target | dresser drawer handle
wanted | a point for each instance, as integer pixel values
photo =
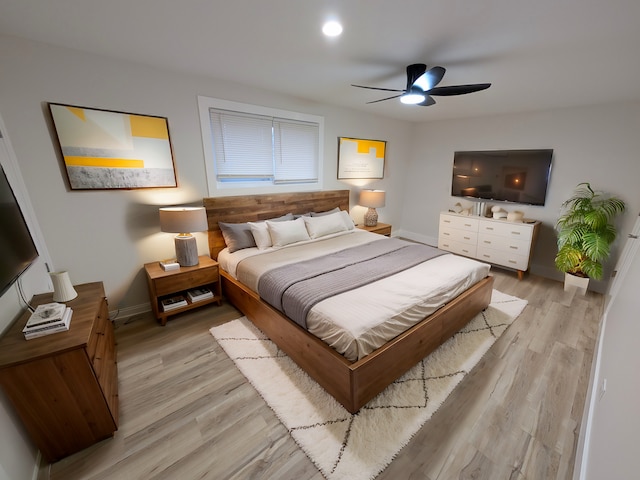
(516, 233)
(512, 247)
(446, 221)
(446, 233)
(467, 238)
(488, 242)
(486, 256)
(465, 251)
(467, 224)
(512, 261)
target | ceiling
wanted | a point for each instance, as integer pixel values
(537, 54)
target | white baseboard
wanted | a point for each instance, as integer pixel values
(122, 314)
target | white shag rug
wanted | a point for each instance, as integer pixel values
(360, 446)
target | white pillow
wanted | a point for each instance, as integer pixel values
(284, 233)
(348, 221)
(260, 232)
(325, 224)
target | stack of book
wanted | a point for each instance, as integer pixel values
(47, 319)
(173, 303)
(199, 294)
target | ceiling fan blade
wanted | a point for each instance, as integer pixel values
(427, 102)
(376, 88)
(430, 78)
(388, 98)
(458, 89)
(414, 72)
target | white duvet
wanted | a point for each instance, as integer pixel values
(359, 321)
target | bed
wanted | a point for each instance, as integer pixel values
(351, 378)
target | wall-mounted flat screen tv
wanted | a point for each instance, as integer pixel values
(16, 244)
(519, 176)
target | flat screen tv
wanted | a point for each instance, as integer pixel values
(519, 176)
(17, 249)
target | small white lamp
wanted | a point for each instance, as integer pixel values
(183, 221)
(372, 199)
(63, 290)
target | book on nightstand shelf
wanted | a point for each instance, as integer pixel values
(173, 303)
(47, 327)
(198, 294)
(169, 264)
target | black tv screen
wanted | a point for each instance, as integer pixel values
(16, 244)
(519, 176)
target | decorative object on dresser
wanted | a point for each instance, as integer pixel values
(372, 199)
(379, 228)
(165, 285)
(63, 290)
(64, 387)
(183, 221)
(499, 242)
(47, 319)
(586, 231)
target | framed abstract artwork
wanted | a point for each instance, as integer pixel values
(103, 149)
(360, 158)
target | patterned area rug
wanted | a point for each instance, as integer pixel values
(360, 446)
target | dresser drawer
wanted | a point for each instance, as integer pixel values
(504, 258)
(461, 236)
(512, 245)
(459, 222)
(460, 248)
(511, 230)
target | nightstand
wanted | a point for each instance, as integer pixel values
(164, 284)
(379, 228)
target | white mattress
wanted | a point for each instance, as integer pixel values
(359, 321)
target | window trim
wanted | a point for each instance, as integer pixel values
(217, 189)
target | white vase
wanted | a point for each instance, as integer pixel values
(580, 284)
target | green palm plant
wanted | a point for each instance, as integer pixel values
(585, 231)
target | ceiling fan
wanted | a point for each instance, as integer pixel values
(421, 85)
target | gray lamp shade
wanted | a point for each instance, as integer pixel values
(372, 198)
(184, 220)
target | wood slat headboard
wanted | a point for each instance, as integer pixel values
(252, 208)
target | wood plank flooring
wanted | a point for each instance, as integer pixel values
(187, 413)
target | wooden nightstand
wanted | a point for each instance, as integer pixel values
(166, 284)
(380, 228)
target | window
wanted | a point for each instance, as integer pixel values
(265, 149)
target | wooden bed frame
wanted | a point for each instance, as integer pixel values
(352, 384)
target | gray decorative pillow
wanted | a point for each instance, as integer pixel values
(237, 236)
(328, 212)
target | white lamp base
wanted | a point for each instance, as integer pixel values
(186, 250)
(371, 218)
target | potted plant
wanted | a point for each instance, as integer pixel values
(585, 233)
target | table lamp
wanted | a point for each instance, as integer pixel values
(183, 221)
(372, 199)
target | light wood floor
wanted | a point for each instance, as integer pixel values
(187, 413)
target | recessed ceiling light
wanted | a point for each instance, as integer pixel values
(332, 29)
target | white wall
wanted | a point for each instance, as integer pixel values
(597, 144)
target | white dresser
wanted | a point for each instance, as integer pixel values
(499, 242)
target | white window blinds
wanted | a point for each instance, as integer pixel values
(259, 148)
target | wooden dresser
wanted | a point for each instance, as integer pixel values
(64, 386)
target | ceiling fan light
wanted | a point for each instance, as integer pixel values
(411, 98)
